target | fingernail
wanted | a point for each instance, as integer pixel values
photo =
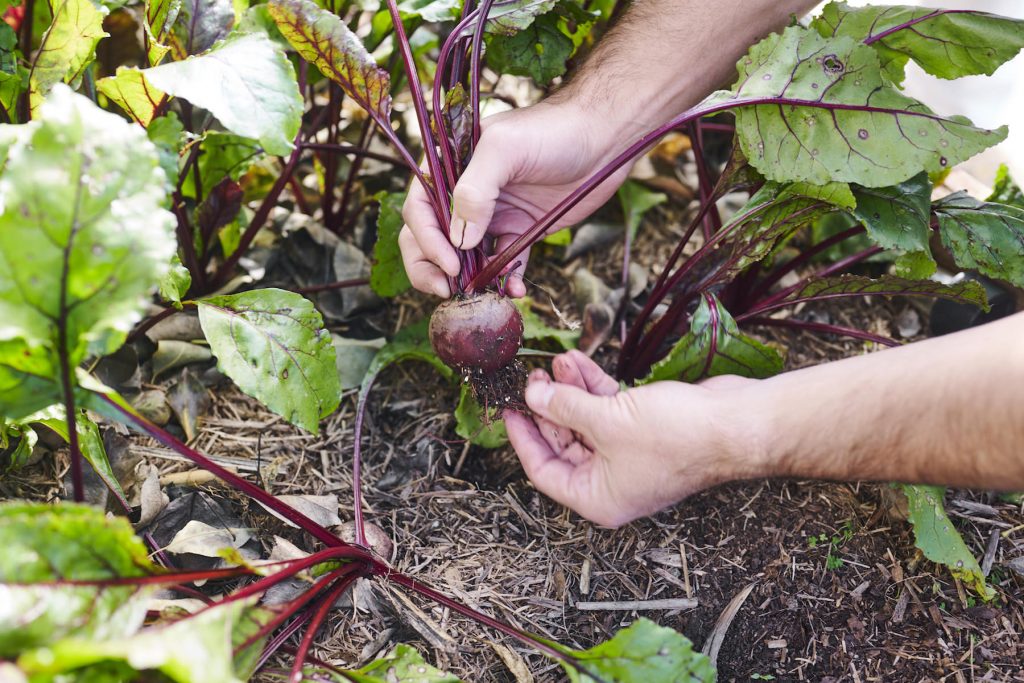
(538, 395)
(457, 231)
(470, 228)
(441, 290)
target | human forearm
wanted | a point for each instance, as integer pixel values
(666, 55)
(942, 411)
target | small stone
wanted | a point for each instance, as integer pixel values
(908, 323)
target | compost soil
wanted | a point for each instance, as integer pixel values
(835, 589)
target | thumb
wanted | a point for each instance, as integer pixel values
(568, 405)
(477, 191)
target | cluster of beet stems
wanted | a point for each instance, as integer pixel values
(459, 61)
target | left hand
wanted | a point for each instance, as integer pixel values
(614, 456)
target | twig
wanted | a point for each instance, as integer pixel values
(630, 605)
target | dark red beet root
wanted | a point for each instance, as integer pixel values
(477, 335)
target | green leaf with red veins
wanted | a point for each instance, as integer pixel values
(642, 653)
(199, 25)
(896, 217)
(770, 217)
(129, 90)
(538, 51)
(322, 39)
(984, 236)
(246, 82)
(939, 540)
(843, 286)
(715, 346)
(458, 120)
(945, 43)
(67, 47)
(45, 546)
(160, 17)
(84, 239)
(817, 109)
(273, 345)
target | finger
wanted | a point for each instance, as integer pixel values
(551, 475)
(477, 190)
(557, 437)
(515, 284)
(576, 368)
(418, 214)
(569, 405)
(423, 273)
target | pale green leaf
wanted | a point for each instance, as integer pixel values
(637, 200)
(273, 345)
(388, 276)
(83, 238)
(160, 18)
(471, 423)
(246, 82)
(983, 236)
(45, 544)
(508, 18)
(939, 540)
(196, 649)
(817, 109)
(945, 43)
(402, 665)
(535, 328)
(642, 653)
(715, 346)
(176, 282)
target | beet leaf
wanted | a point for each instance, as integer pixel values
(945, 43)
(715, 346)
(817, 109)
(86, 246)
(939, 540)
(46, 547)
(984, 236)
(642, 653)
(247, 82)
(273, 345)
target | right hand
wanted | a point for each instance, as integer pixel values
(526, 162)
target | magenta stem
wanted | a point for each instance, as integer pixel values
(250, 489)
(822, 327)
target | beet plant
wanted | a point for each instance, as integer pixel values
(98, 212)
(822, 129)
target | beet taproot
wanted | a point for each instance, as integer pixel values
(479, 334)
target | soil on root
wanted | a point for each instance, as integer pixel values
(500, 389)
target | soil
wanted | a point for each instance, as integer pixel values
(837, 591)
